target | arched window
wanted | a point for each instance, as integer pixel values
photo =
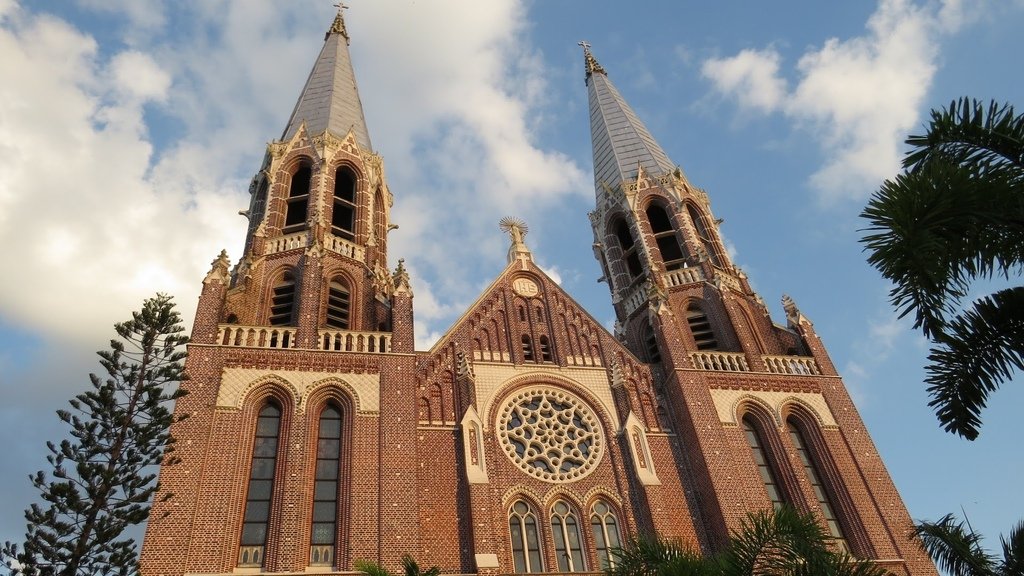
(282, 301)
(343, 216)
(565, 530)
(522, 527)
(339, 302)
(605, 528)
(324, 523)
(651, 344)
(819, 489)
(703, 234)
(380, 224)
(545, 349)
(298, 200)
(540, 314)
(628, 248)
(259, 496)
(763, 467)
(665, 236)
(527, 348)
(700, 327)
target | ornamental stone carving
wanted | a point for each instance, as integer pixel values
(550, 434)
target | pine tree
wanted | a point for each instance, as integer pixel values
(103, 477)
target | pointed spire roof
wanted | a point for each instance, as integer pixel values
(621, 142)
(330, 100)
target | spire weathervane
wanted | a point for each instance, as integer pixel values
(590, 62)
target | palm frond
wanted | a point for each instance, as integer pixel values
(370, 568)
(1013, 552)
(649, 556)
(981, 350)
(955, 550)
(969, 133)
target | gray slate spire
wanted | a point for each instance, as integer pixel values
(330, 99)
(621, 141)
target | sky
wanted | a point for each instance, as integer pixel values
(129, 132)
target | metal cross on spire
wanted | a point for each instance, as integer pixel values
(338, 27)
(590, 63)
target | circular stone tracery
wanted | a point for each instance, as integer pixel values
(550, 434)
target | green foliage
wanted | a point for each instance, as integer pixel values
(409, 568)
(101, 479)
(957, 550)
(953, 218)
(779, 543)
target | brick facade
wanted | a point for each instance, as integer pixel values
(426, 463)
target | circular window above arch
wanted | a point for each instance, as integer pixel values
(550, 434)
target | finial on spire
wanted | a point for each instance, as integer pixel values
(338, 26)
(516, 229)
(590, 63)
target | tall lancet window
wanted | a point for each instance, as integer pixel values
(819, 489)
(606, 532)
(282, 301)
(324, 529)
(629, 253)
(565, 531)
(259, 496)
(764, 468)
(525, 535)
(703, 234)
(343, 216)
(665, 236)
(298, 200)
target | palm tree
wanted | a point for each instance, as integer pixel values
(409, 568)
(958, 551)
(779, 543)
(954, 217)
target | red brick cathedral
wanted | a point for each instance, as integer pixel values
(528, 438)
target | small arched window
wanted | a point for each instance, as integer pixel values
(527, 348)
(545, 349)
(665, 237)
(339, 303)
(700, 328)
(343, 216)
(298, 200)
(651, 344)
(629, 253)
(522, 314)
(324, 523)
(259, 495)
(605, 528)
(522, 527)
(811, 471)
(282, 301)
(565, 531)
(763, 466)
(703, 234)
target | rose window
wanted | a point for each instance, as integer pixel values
(550, 434)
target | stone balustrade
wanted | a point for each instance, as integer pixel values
(801, 365)
(339, 245)
(720, 361)
(257, 336)
(286, 242)
(351, 341)
(682, 276)
(636, 299)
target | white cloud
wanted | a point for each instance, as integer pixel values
(752, 76)
(858, 96)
